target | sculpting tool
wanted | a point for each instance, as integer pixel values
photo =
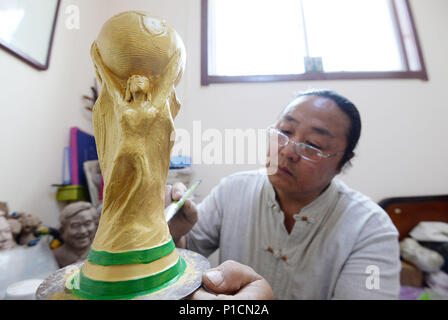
(175, 206)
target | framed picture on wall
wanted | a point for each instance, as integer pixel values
(27, 28)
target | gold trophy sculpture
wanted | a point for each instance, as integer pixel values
(139, 60)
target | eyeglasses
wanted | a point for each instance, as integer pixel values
(302, 149)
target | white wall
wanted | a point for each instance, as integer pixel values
(37, 108)
(402, 151)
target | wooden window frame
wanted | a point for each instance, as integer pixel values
(207, 79)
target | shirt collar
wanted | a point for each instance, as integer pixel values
(314, 210)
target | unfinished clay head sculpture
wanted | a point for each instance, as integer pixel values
(78, 226)
(16, 227)
(6, 239)
(139, 60)
(29, 223)
(3, 209)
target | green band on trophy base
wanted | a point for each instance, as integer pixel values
(105, 258)
(104, 290)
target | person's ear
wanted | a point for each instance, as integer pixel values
(61, 231)
(341, 166)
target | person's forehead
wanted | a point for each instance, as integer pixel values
(317, 111)
(81, 216)
(316, 104)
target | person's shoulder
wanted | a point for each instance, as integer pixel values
(241, 183)
(361, 207)
(355, 199)
(249, 176)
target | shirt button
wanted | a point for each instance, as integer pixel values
(284, 258)
(270, 250)
(304, 219)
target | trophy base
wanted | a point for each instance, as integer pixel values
(53, 287)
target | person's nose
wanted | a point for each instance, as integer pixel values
(289, 152)
(83, 230)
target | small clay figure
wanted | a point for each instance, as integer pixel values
(16, 226)
(78, 226)
(29, 224)
(6, 240)
(3, 209)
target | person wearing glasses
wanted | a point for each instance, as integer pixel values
(294, 230)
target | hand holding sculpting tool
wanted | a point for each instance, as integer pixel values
(175, 206)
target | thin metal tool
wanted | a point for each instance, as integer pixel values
(174, 207)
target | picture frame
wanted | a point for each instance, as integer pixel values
(27, 30)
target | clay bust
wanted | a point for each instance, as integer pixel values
(29, 223)
(6, 239)
(3, 209)
(78, 226)
(16, 227)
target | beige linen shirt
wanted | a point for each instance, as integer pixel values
(342, 246)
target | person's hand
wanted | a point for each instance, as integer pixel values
(187, 216)
(233, 281)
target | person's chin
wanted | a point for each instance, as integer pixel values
(83, 242)
(280, 179)
(280, 172)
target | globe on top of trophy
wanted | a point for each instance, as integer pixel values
(137, 43)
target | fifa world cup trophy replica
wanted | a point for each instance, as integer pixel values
(139, 59)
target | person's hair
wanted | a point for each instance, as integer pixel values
(73, 209)
(349, 108)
